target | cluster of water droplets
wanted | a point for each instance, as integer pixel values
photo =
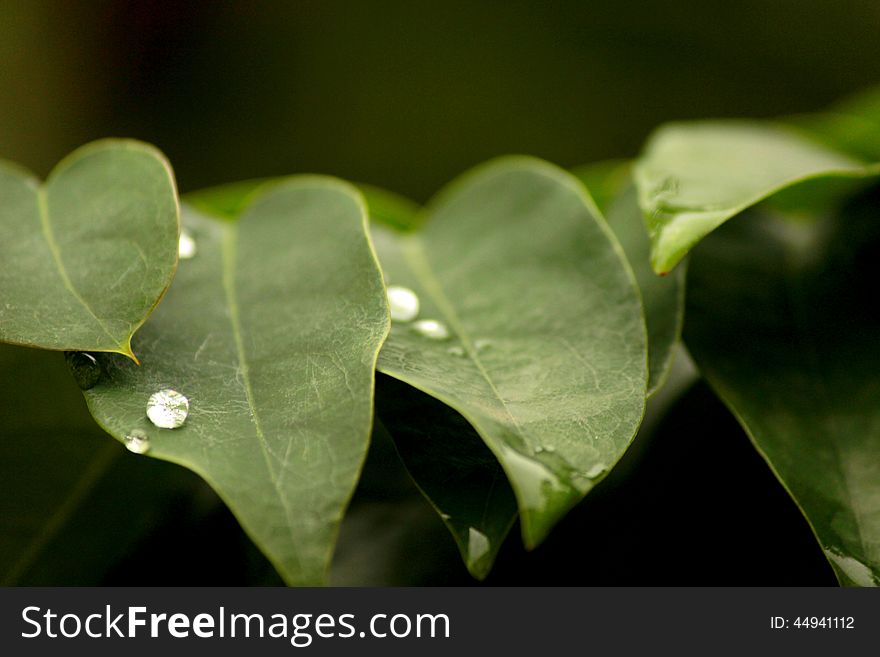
(166, 409)
(404, 306)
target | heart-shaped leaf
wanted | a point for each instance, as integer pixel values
(530, 326)
(693, 177)
(780, 320)
(271, 331)
(87, 255)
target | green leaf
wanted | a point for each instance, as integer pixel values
(662, 297)
(74, 502)
(692, 177)
(546, 357)
(87, 255)
(271, 331)
(781, 321)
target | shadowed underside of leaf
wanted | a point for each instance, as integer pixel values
(693, 177)
(272, 332)
(780, 320)
(453, 468)
(87, 255)
(546, 356)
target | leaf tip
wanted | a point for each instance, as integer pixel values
(126, 351)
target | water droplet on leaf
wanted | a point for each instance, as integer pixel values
(455, 351)
(85, 368)
(186, 247)
(403, 303)
(137, 441)
(482, 345)
(167, 409)
(431, 328)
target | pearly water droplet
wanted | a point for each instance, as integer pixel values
(137, 441)
(403, 303)
(431, 328)
(455, 351)
(167, 409)
(186, 247)
(482, 345)
(85, 368)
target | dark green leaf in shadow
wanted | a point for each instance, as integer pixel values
(87, 255)
(75, 503)
(692, 177)
(530, 327)
(454, 469)
(271, 331)
(780, 320)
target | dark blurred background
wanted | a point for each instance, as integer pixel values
(406, 95)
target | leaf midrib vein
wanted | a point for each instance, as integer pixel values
(230, 236)
(414, 254)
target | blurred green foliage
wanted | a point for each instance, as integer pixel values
(405, 94)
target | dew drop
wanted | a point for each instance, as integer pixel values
(403, 303)
(186, 247)
(137, 441)
(85, 368)
(431, 328)
(167, 409)
(455, 351)
(482, 345)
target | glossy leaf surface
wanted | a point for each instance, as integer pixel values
(546, 353)
(88, 254)
(271, 331)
